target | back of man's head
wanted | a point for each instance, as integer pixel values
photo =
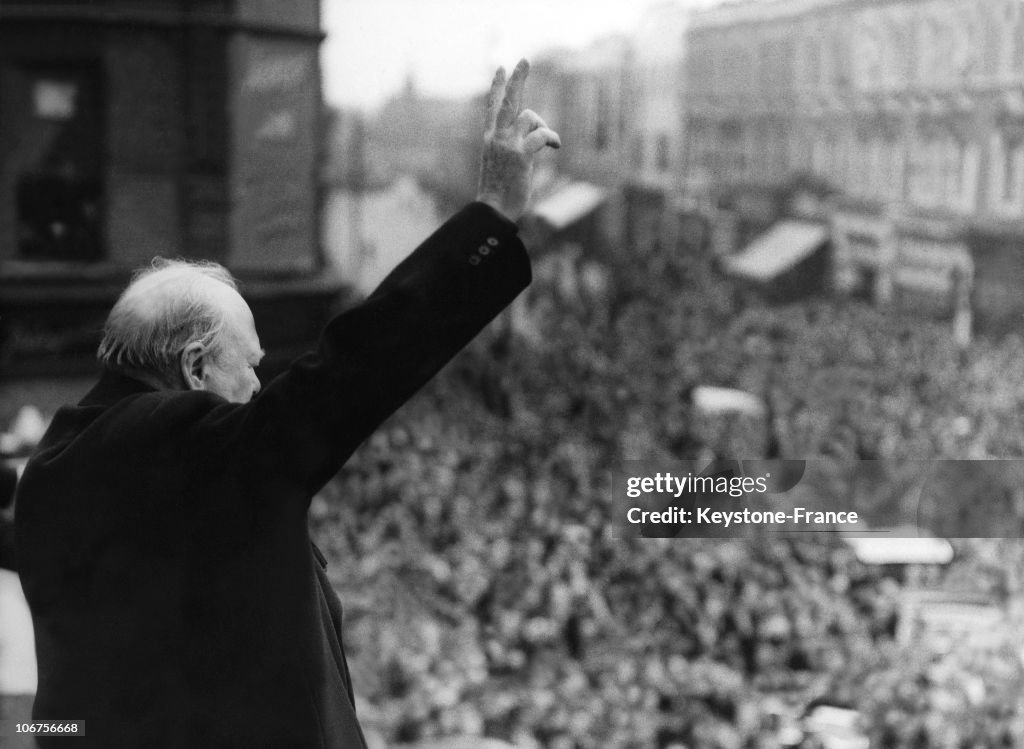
(167, 306)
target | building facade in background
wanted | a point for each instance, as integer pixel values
(135, 128)
(585, 96)
(899, 125)
(912, 111)
(436, 140)
(595, 97)
(655, 128)
(916, 101)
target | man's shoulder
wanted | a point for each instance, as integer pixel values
(158, 407)
(128, 416)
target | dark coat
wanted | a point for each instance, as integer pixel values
(8, 482)
(162, 535)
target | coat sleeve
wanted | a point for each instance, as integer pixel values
(373, 357)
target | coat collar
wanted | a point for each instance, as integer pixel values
(112, 387)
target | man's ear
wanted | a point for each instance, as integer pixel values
(193, 366)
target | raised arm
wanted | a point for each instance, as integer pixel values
(372, 358)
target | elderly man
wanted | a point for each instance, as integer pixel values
(177, 598)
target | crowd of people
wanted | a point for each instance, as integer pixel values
(487, 593)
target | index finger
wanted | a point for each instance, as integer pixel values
(494, 98)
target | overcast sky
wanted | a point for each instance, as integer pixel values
(452, 46)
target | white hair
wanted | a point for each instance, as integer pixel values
(167, 306)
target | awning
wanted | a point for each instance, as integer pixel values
(836, 727)
(901, 546)
(716, 400)
(777, 250)
(569, 204)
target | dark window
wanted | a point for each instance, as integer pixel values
(662, 153)
(53, 163)
(604, 114)
(207, 93)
